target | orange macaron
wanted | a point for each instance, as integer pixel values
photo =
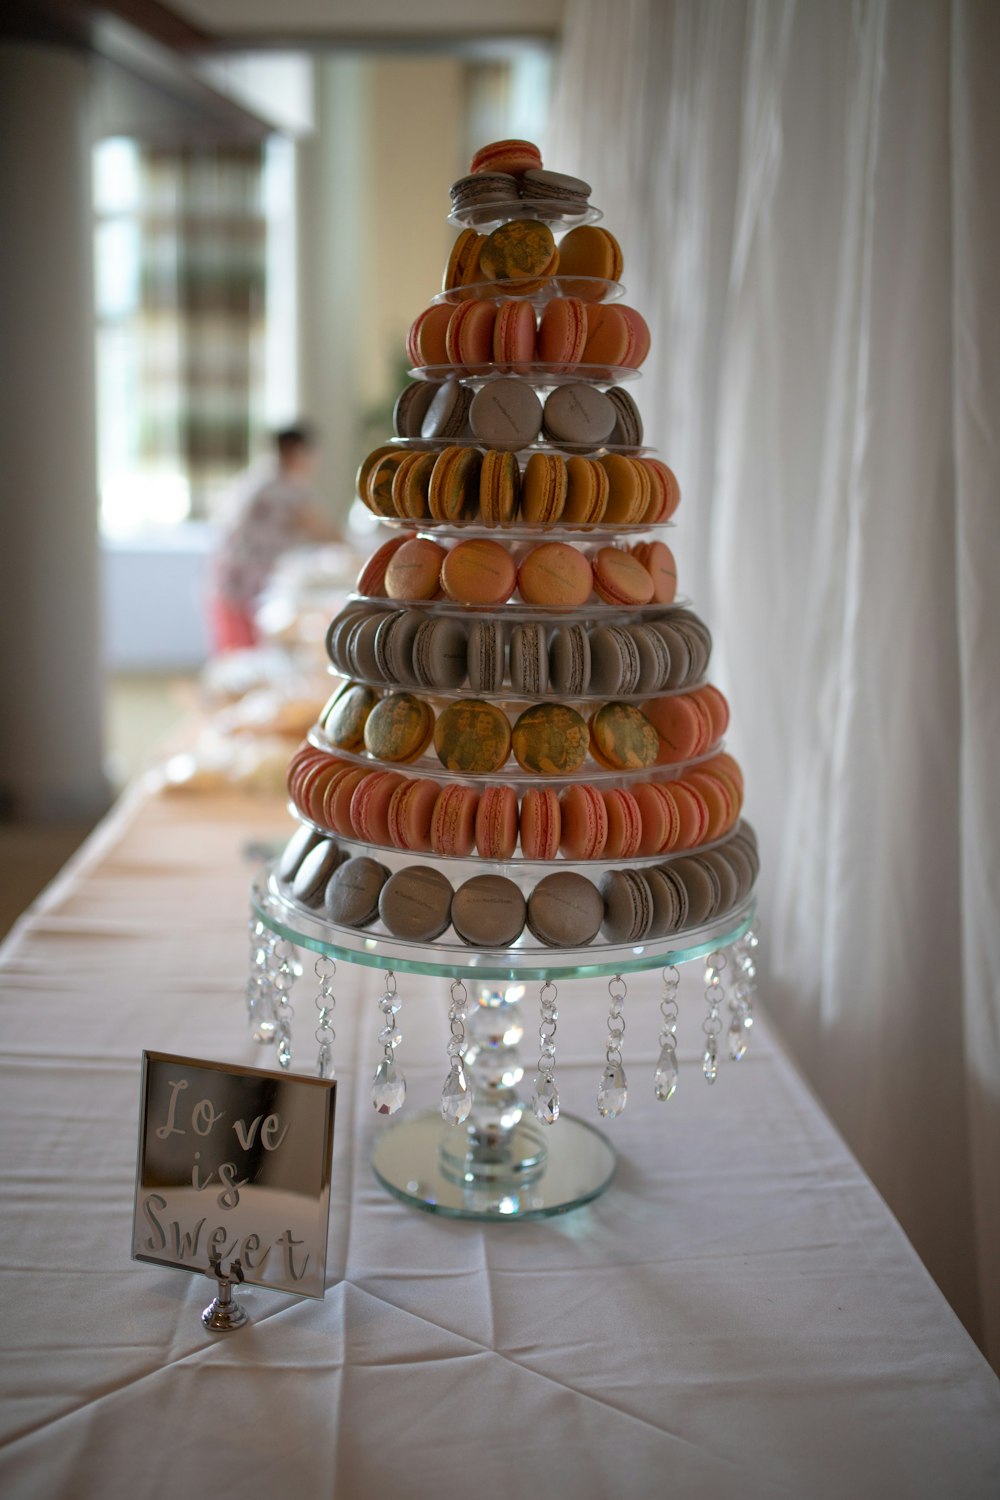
(555, 574)
(478, 571)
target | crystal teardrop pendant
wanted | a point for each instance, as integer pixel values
(665, 1077)
(388, 1088)
(612, 1091)
(737, 1038)
(708, 1062)
(456, 1097)
(545, 1099)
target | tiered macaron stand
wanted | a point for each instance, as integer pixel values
(490, 1152)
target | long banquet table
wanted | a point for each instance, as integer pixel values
(739, 1315)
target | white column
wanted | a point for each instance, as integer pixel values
(51, 744)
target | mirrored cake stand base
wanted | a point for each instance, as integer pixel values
(491, 1152)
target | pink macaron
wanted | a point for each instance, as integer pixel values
(496, 822)
(624, 824)
(540, 823)
(469, 338)
(370, 806)
(562, 334)
(514, 337)
(411, 808)
(453, 823)
(584, 829)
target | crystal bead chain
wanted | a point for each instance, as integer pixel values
(259, 994)
(665, 1077)
(743, 995)
(284, 978)
(712, 1024)
(326, 971)
(389, 1084)
(612, 1091)
(545, 1098)
(456, 1095)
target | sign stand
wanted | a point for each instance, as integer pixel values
(224, 1313)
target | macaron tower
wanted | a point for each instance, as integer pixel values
(521, 769)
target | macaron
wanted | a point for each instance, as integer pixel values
(486, 656)
(411, 407)
(298, 846)
(496, 822)
(462, 268)
(627, 431)
(550, 740)
(692, 813)
(562, 334)
(615, 663)
(351, 895)
(499, 488)
(519, 250)
(506, 414)
(628, 489)
(628, 906)
(529, 659)
(677, 725)
(469, 337)
(514, 337)
(349, 713)
(669, 902)
(608, 337)
(410, 484)
(590, 251)
(371, 579)
(394, 641)
(399, 729)
(369, 811)
(439, 653)
(678, 652)
(453, 823)
(472, 737)
(539, 186)
(699, 887)
(514, 157)
(565, 910)
(540, 823)
(411, 808)
(337, 799)
(378, 496)
(717, 706)
(698, 637)
(556, 575)
(317, 795)
(665, 492)
(543, 490)
(660, 819)
(658, 560)
(619, 578)
(309, 880)
(639, 340)
(425, 342)
(578, 416)
(414, 570)
(488, 912)
(624, 824)
(718, 800)
(654, 659)
(339, 630)
(360, 648)
(569, 660)
(725, 874)
(365, 468)
(482, 190)
(415, 903)
(622, 738)
(453, 491)
(586, 491)
(478, 571)
(583, 822)
(447, 415)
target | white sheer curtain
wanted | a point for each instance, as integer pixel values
(807, 198)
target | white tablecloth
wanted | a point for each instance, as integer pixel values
(738, 1316)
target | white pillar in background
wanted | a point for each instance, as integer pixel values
(51, 681)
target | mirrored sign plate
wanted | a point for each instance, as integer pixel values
(234, 1163)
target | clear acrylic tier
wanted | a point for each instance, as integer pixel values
(584, 288)
(489, 216)
(540, 377)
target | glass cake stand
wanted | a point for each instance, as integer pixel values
(489, 1153)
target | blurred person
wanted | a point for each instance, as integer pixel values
(274, 509)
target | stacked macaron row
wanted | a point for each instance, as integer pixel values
(417, 903)
(484, 338)
(415, 648)
(574, 418)
(461, 484)
(507, 175)
(587, 265)
(481, 573)
(384, 807)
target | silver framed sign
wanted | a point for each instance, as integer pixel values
(234, 1166)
